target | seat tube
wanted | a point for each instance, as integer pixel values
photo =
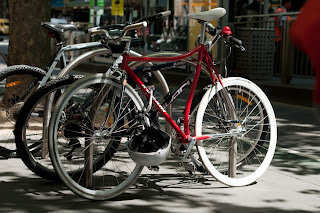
(195, 81)
(202, 32)
(192, 90)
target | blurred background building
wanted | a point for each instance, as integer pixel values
(252, 21)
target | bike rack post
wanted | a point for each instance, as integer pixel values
(232, 169)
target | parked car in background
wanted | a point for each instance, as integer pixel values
(4, 26)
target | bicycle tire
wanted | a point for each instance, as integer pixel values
(12, 103)
(114, 160)
(255, 143)
(29, 128)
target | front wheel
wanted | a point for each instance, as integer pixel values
(241, 119)
(97, 116)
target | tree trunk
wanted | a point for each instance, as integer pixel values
(29, 42)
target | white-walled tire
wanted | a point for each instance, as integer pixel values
(251, 115)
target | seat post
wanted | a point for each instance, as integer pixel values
(203, 32)
(57, 37)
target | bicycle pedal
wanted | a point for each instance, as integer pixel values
(154, 168)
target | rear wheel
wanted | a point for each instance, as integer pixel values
(17, 83)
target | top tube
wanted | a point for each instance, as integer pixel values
(168, 59)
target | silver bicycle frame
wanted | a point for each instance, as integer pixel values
(61, 54)
(71, 66)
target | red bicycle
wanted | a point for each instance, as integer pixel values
(231, 123)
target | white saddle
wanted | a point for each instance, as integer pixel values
(209, 15)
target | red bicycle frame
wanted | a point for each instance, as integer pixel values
(202, 52)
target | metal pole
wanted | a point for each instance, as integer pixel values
(95, 12)
(222, 22)
(144, 29)
(266, 7)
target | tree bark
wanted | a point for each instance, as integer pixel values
(29, 42)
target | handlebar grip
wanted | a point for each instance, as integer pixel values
(89, 30)
(154, 18)
(135, 26)
(165, 13)
(235, 41)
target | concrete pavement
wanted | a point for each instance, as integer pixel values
(276, 191)
(291, 184)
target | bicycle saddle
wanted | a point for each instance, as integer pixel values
(209, 15)
(59, 28)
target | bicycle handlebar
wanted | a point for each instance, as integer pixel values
(113, 27)
(122, 26)
(132, 27)
(231, 41)
(98, 31)
(166, 13)
(235, 41)
(143, 22)
(155, 17)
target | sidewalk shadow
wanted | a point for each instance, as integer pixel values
(299, 132)
(151, 193)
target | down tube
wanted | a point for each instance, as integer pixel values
(156, 103)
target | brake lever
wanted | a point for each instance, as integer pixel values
(242, 48)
